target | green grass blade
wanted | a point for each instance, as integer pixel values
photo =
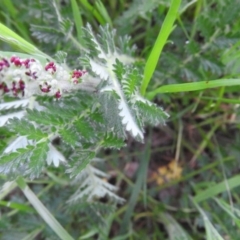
(211, 232)
(141, 176)
(217, 188)
(10, 7)
(89, 234)
(11, 14)
(194, 86)
(174, 229)
(222, 100)
(78, 21)
(163, 35)
(102, 10)
(7, 35)
(7, 188)
(232, 212)
(43, 211)
(34, 234)
(18, 206)
(93, 11)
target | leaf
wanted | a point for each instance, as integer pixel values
(111, 141)
(151, 113)
(54, 156)
(25, 128)
(79, 162)
(129, 121)
(66, 26)
(5, 118)
(131, 82)
(110, 112)
(137, 7)
(86, 131)
(19, 142)
(60, 57)
(38, 159)
(93, 186)
(70, 136)
(44, 117)
(46, 34)
(15, 162)
(119, 69)
(14, 104)
(205, 26)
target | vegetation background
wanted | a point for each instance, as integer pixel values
(183, 182)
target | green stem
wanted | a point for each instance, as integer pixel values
(43, 211)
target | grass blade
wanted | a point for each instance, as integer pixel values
(7, 188)
(93, 11)
(141, 176)
(102, 10)
(211, 232)
(163, 35)
(193, 86)
(217, 188)
(42, 211)
(7, 35)
(78, 21)
(18, 206)
(33, 235)
(174, 230)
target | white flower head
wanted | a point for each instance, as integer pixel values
(26, 77)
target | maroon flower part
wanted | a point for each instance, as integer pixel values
(16, 61)
(4, 87)
(4, 63)
(45, 88)
(27, 62)
(51, 66)
(77, 74)
(31, 74)
(58, 94)
(21, 85)
(14, 89)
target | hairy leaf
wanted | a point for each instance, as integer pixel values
(25, 128)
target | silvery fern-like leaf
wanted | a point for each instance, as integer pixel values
(19, 142)
(4, 119)
(93, 185)
(54, 156)
(139, 8)
(15, 104)
(128, 120)
(102, 57)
